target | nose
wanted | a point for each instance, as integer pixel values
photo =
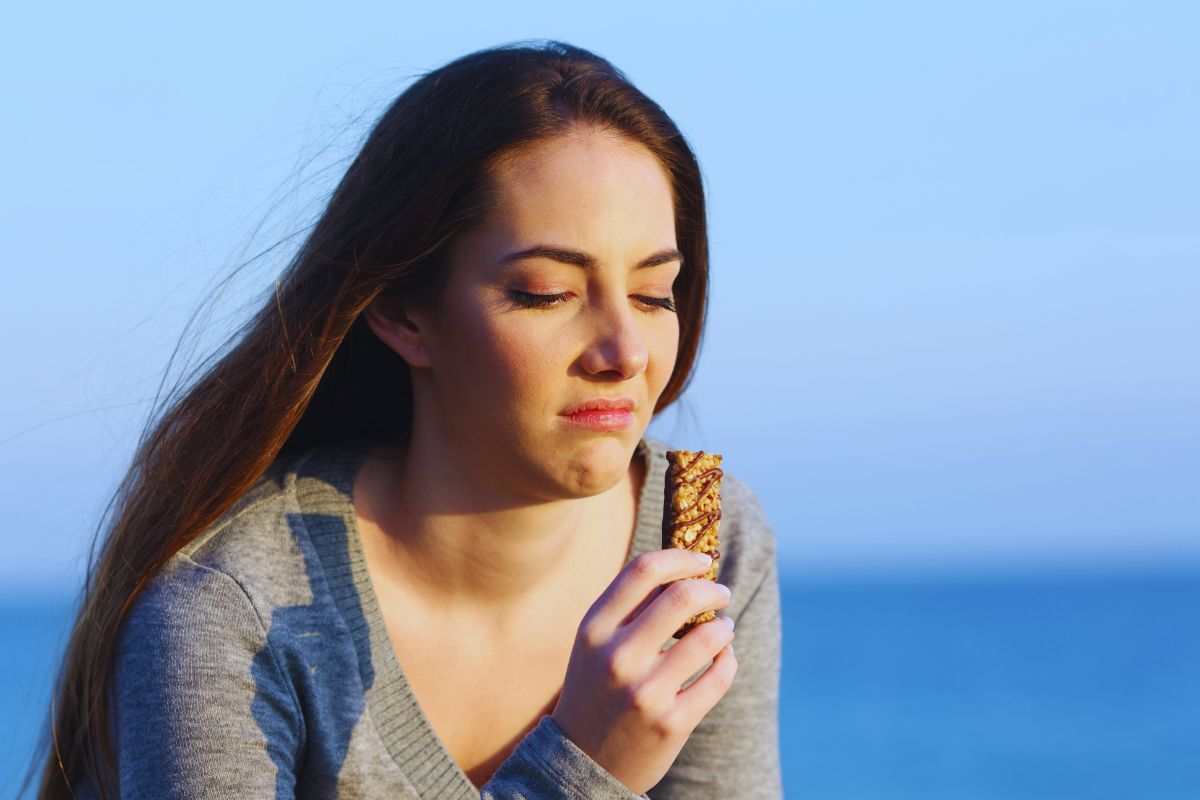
(618, 344)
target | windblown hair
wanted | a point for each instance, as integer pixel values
(304, 370)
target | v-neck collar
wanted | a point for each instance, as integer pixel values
(324, 480)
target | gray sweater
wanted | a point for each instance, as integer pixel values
(256, 664)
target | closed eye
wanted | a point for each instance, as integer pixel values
(660, 302)
(531, 300)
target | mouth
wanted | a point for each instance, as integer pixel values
(601, 420)
(601, 414)
(599, 405)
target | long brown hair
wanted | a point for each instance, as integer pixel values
(305, 370)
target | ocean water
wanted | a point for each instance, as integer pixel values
(1018, 686)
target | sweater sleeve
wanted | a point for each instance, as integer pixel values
(202, 708)
(734, 751)
(548, 766)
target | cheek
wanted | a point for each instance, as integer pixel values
(477, 356)
(664, 350)
(516, 356)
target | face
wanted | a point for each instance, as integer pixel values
(516, 341)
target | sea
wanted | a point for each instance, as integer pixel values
(1047, 685)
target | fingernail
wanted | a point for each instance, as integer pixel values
(705, 559)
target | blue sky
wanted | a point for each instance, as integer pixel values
(956, 268)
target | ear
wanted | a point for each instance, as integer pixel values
(400, 330)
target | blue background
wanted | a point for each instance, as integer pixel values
(952, 343)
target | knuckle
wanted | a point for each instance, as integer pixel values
(666, 727)
(645, 702)
(643, 567)
(617, 667)
(715, 633)
(682, 595)
(590, 634)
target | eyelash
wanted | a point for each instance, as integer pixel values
(530, 300)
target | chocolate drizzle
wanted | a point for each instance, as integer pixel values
(708, 479)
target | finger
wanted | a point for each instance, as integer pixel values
(646, 601)
(675, 605)
(695, 651)
(632, 587)
(694, 702)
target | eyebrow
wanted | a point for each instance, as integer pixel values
(584, 260)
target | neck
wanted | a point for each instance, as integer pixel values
(465, 549)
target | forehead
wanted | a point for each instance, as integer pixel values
(593, 189)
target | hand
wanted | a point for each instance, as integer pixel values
(620, 702)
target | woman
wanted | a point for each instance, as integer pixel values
(372, 551)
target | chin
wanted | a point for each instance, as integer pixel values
(598, 465)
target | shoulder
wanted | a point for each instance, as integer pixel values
(186, 606)
(259, 549)
(747, 538)
(195, 662)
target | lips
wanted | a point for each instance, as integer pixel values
(600, 404)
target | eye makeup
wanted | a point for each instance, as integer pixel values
(531, 300)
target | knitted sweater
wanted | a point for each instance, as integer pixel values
(257, 664)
